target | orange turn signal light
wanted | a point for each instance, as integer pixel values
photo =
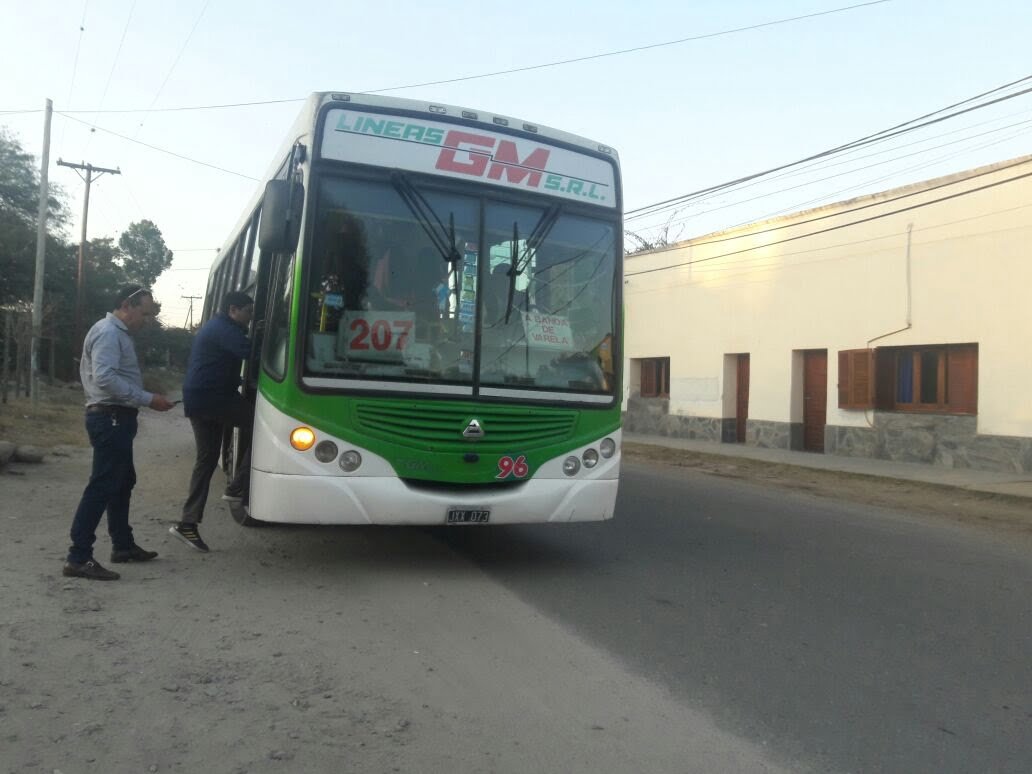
(302, 438)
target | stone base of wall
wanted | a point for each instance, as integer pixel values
(768, 435)
(934, 439)
(651, 416)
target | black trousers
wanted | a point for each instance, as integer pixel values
(208, 433)
(111, 484)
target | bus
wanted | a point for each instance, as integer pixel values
(438, 318)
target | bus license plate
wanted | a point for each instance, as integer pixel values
(468, 516)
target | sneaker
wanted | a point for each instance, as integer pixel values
(232, 497)
(188, 534)
(88, 569)
(133, 554)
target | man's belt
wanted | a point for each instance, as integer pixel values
(111, 408)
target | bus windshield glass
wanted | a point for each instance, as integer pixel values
(391, 301)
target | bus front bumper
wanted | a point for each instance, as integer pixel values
(375, 500)
(304, 499)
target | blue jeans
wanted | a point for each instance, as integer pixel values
(110, 486)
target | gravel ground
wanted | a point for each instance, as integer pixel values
(300, 649)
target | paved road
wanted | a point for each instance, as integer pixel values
(840, 637)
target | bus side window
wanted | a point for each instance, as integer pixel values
(277, 330)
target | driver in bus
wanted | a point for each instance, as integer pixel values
(346, 265)
(408, 285)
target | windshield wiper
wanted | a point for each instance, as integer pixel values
(442, 239)
(537, 236)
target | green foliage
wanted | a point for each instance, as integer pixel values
(144, 254)
(19, 199)
(19, 185)
(139, 256)
(161, 346)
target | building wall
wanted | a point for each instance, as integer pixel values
(957, 270)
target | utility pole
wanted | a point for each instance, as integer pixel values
(189, 314)
(80, 282)
(41, 248)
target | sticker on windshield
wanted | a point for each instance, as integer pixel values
(548, 331)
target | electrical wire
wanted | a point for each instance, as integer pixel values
(824, 164)
(156, 148)
(510, 71)
(175, 63)
(884, 134)
(75, 66)
(864, 184)
(859, 208)
(824, 230)
(749, 266)
(114, 64)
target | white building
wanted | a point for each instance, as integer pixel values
(895, 325)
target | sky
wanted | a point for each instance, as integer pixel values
(723, 103)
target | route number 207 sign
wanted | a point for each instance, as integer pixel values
(377, 335)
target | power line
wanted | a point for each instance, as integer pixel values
(880, 136)
(827, 164)
(114, 63)
(858, 208)
(738, 270)
(823, 230)
(630, 50)
(160, 150)
(527, 68)
(75, 65)
(175, 63)
(863, 184)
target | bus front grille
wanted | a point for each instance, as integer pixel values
(440, 427)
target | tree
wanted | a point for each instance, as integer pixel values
(19, 201)
(144, 254)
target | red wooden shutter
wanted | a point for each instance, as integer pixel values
(856, 379)
(648, 378)
(962, 379)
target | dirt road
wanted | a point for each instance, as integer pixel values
(288, 650)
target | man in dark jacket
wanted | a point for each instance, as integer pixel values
(212, 400)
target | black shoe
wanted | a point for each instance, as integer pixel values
(88, 569)
(133, 554)
(188, 534)
(231, 496)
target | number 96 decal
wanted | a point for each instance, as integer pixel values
(516, 467)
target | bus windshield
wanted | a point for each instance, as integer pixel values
(524, 301)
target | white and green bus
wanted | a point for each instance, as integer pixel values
(437, 328)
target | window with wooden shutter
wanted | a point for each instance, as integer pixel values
(856, 379)
(940, 379)
(962, 378)
(655, 377)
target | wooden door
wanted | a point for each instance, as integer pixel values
(742, 398)
(815, 398)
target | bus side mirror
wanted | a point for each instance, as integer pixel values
(281, 216)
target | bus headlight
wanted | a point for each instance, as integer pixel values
(302, 438)
(607, 447)
(571, 465)
(326, 451)
(350, 461)
(590, 458)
